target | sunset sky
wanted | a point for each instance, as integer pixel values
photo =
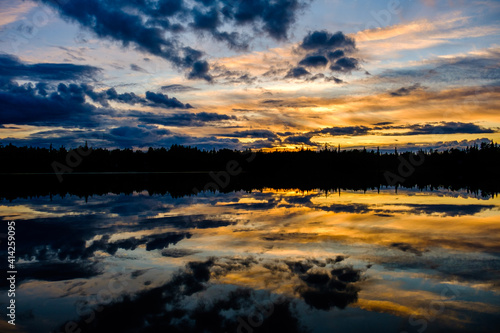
(250, 74)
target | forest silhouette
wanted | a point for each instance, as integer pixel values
(180, 170)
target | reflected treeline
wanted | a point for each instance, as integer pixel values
(180, 185)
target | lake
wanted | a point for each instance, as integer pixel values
(266, 260)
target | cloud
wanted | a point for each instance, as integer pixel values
(12, 67)
(442, 128)
(58, 270)
(163, 100)
(325, 78)
(187, 222)
(66, 104)
(345, 65)
(481, 66)
(152, 242)
(129, 132)
(297, 72)
(406, 247)
(226, 76)
(383, 123)
(181, 304)
(327, 48)
(186, 301)
(448, 210)
(207, 20)
(276, 17)
(152, 99)
(177, 88)
(286, 103)
(110, 20)
(181, 119)
(347, 130)
(28, 104)
(155, 26)
(405, 91)
(266, 134)
(335, 54)
(200, 71)
(314, 61)
(178, 253)
(300, 139)
(325, 289)
(137, 68)
(323, 40)
(305, 138)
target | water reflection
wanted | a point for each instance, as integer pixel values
(269, 260)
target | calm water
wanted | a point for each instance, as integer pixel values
(266, 261)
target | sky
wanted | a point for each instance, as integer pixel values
(281, 74)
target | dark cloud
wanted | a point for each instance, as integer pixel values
(328, 48)
(406, 247)
(187, 222)
(444, 128)
(326, 289)
(112, 95)
(57, 270)
(165, 101)
(335, 54)
(106, 20)
(178, 253)
(11, 68)
(152, 99)
(405, 91)
(234, 40)
(314, 61)
(323, 40)
(186, 302)
(467, 68)
(345, 65)
(28, 104)
(297, 72)
(326, 78)
(146, 24)
(276, 17)
(168, 7)
(448, 210)
(273, 72)
(300, 139)
(205, 20)
(347, 130)
(181, 119)
(200, 71)
(152, 242)
(334, 79)
(347, 208)
(66, 105)
(129, 132)
(305, 138)
(253, 134)
(285, 103)
(111, 20)
(177, 88)
(316, 77)
(226, 76)
(137, 68)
